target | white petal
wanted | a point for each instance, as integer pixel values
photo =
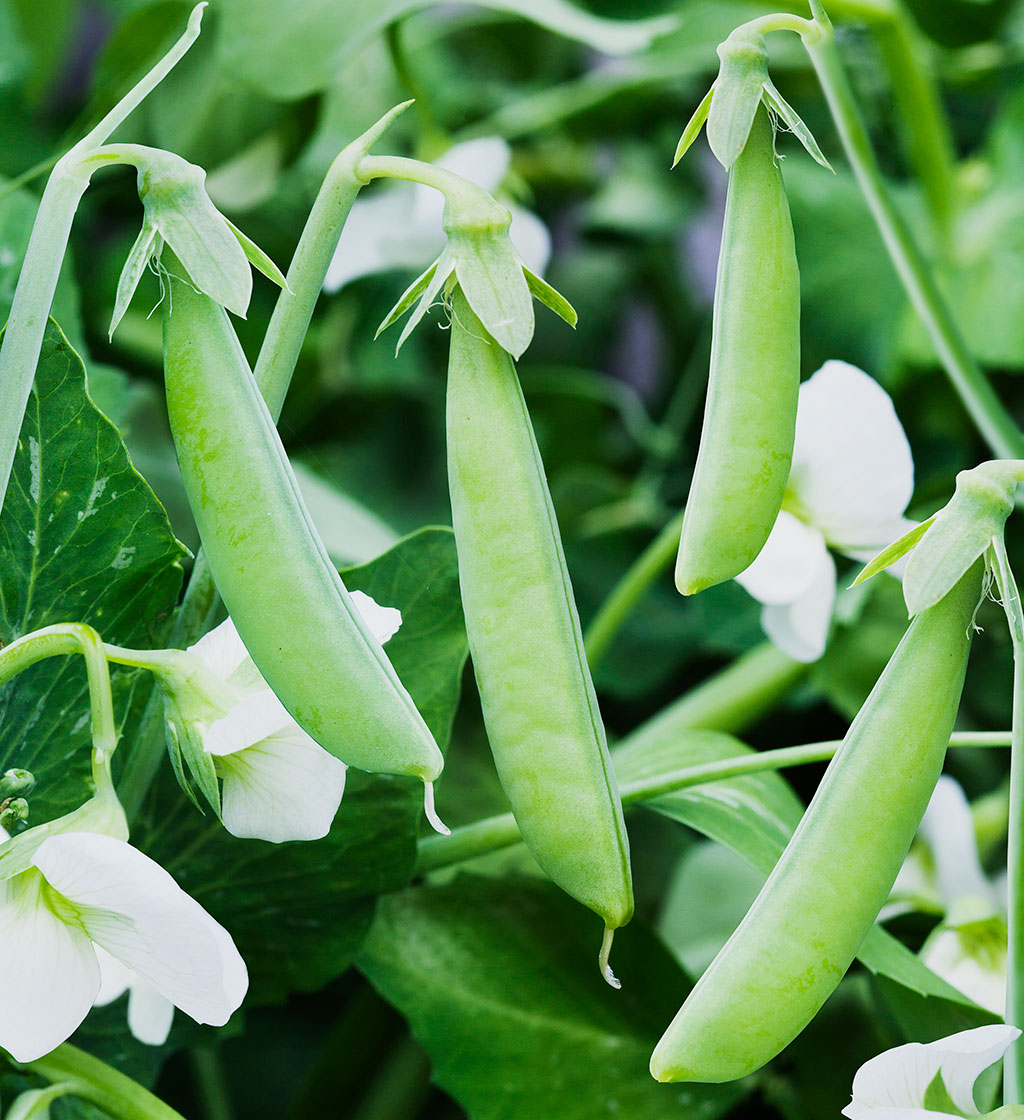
(48, 971)
(384, 232)
(149, 1014)
(115, 978)
(787, 565)
(948, 953)
(221, 650)
(284, 788)
(132, 908)
(383, 622)
(898, 1078)
(800, 628)
(852, 468)
(531, 238)
(948, 829)
(260, 715)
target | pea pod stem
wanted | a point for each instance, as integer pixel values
(990, 417)
(500, 831)
(102, 1085)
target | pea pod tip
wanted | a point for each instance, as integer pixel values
(606, 969)
(430, 812)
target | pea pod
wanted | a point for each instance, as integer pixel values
(807, 924)
(271, 569)
(750, 417)
(524, 633)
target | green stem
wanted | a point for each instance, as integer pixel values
(209, 1076)
(102, 1085)
(986, 410)
(630, 590)
(501, 831)
(66, 638)
(1013, 1060)
(413, 171)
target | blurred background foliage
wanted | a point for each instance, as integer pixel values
(264, 102)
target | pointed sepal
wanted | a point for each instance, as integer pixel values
(786, 113)
(693, 127)
(550, 297)
(738, 91)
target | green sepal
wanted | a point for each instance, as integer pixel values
(739, 88)
(693, 127)
(895, 551)
(960, 532)
(407, 299)
(192, 766)
(550, 297)
(490, 273)
(779, 105)
(257, 258)
(147, 246)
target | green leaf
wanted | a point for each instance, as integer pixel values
(694, 125)
(84, 539)
(499, 982)
(292, 48)
(298, 912)
(895, 551)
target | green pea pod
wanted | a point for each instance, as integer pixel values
(524, 633)
(271, 569)
(805, 927)
(750, 418)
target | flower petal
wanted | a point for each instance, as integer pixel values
(852, 472)
(800, 628)
(787, 565)
(221, 650)
(530, 237)
(257, 717)
(115, 977)
(898, 1078)
(283, 788)
(149, 1014)
(132, 908)
(948, 829)
(971, 957)
(48, 971)
(382, 622)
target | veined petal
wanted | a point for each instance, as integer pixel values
(150, 1014)
(786, 567)
(899, 1078)
(283, 788)
(383, 622)
(800, 628)
(132, 908)
(852, 468)
(48, 971)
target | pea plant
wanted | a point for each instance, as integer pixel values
(359, 754)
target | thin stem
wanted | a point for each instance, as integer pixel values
(66, 638)
(501, 831)
(102, 1085)
(1013, 1060)
(986, 410)
(624, 597)
(413, 171)
(779, 21)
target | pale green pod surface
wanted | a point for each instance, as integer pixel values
(746, 444)
(282, 591)
(524, 633)
(805, 927)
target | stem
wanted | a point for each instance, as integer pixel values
(501, 831)
(779, 21)
(413, 171)
(992, 420)
(1013, 1060)
(624, 597)
(102, 1085)
(65, 638)
(209, 1076)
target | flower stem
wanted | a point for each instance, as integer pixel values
(986, 410)
(1013, 1060)
(630, 590)
(102, 1085)
(501, 831)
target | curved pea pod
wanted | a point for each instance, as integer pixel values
(746, 444)
(524, 633)
(805, 927)
(271, 569)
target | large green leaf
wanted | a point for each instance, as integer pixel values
(500, 984)
(82, 539)
(292, 48)
(299, 911)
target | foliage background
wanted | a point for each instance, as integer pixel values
(493, 972)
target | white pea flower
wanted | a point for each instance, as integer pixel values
(75, 894)
(225, 723)
(851, 480)
(149, 1013)
(400, 226)
(921, 1081)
